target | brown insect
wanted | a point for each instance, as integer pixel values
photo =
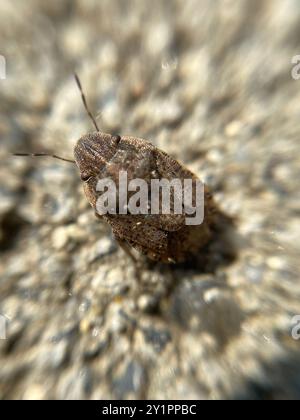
(162, 237)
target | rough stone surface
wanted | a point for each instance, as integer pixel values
(208, 82)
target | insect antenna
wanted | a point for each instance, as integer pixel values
(44, 154)
(84, 102)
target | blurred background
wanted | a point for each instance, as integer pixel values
(213, 84)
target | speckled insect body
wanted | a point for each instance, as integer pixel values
(162, 237)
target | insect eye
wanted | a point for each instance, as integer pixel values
(85, 176)
(117, 138)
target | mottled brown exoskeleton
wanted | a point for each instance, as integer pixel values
(162, 237)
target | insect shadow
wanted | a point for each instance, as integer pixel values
(220, 251)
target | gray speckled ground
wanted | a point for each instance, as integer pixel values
(208, 82)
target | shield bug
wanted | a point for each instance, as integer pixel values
(161, 237)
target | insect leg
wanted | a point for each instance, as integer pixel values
(126, 249)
